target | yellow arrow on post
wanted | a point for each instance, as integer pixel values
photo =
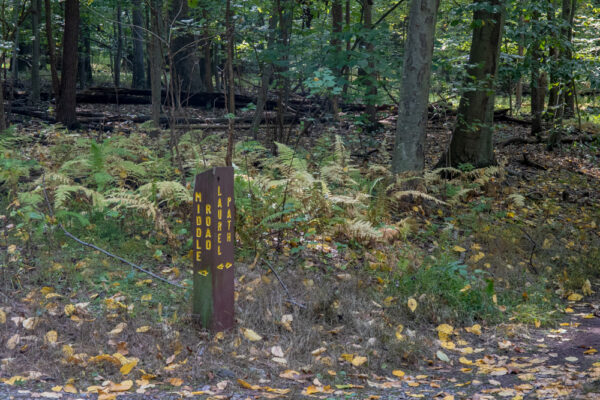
(203, 272)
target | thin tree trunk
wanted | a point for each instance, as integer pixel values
(267, 75)
(538, 94)
(207, 57)
(51, 51)
(409, 149)
(36, 11)
(371, 74)
(568, 14)
(336, 43)
(346, 69)
(14, 64)
(519, 85)
(230, 81)
(472, 137)
(119, 49)
(3, 125)
(138, 80)
(65, 109)
(156, 60)
(554, 84)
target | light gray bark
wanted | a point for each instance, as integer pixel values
(409, 149)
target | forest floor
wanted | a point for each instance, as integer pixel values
(492, 295)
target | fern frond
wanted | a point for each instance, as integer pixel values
(64, 193)
(417, 194)
(53, 179)
(168, 192)
(288, 161)
(361, 230)
(460, 195)
(517, 199)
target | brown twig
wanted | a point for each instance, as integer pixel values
(93, 246)
(290, 298)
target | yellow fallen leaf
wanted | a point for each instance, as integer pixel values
(143, 329)
(412, 304)
(590, 351)
(526, 377)
(413, 384)
(251, 335)
(118, 329)
(14, 379)
(247, 385)
(569, 310)
(70, 389)
(475, 329)
(2, 316)
(459, 249)
(398, 373)
(388, 301)
(444, 332)
(358, 361)
(176, 381)
(67, 350)
(448, 345)
(13, 341)
(467, 287)
(56, 388)
(121, 387)
(51, 337)
(105, 357)
(465, 360)
(69, 309)
(574, 297)
(146, 297)
(126, 368)
(399, 330)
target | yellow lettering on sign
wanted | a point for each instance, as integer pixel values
(228, 213)
(198, 220)
(203, 272)
(198, 245)
(208, 209)
(218, 249)
(208, 245)
(198, 197)
(198, 254)
(208, 233)
(198, 208)
(219, 226)
(228, 224)
(219, 190)
(228, 201)
(220, 214)
(228, 265)
(208, 221)
(218, 238)
(219, 203)
(228, 237)
(220, 266)
(198, 232)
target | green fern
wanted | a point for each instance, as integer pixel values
(166, 192)
(65, 193)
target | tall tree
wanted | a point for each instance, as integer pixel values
(65, 108)
(538, 77)
(119, 45)
(230, 86)
(137, 71)
(337, 13)
(569, 8)
(370, 75)
(409, 150)
(51, 49)
(36, 12)
(472, 136)
(156, 59)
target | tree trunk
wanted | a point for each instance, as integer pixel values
(156, 60)
(230, 81)
(337, 14)
(267, 75)
(14, 63)
(346, 68)
(183, 51)
(538, 94)
(119, 49)
(519, 85)
(65, 108)
(371, 74)
(36, 11)
(472, 137)
(207, 56)
(138, 80)
(284, 9)
(568, 14)
(51, 51)
(409, 149)
(554, 84)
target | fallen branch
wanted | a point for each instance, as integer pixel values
(290, 298)
(69, 234)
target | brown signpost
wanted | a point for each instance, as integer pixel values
(214, 239)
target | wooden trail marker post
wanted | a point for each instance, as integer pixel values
(214, 239)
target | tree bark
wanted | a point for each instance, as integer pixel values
(554, 84)
(519, 85)
(409, 149)
(138, 80)
(337, 13)
(568, 14)
(371, 74)
(51, 51)
(65, 108)
(156, 60)
(36, 11)
(472, 137)
(230, 81)
(119, 49)
(538, 93)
